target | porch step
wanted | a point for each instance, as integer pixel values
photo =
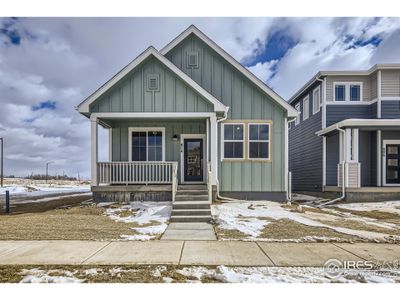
(192, 192)
(190, 205)
(192, 187)
(190, 218)
(191, 212)
(188, 197)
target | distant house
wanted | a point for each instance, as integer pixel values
(348, 123)
(191, 108)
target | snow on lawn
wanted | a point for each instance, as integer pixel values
(386, 206)
(41, 276)
(287, 275)
(149, 219)
(247, 217)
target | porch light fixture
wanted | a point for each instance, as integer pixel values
(175, 138)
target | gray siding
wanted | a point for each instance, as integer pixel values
(131, 94)
(337, 113)
(366, 151)
(332, 159)
(305, 151)
(390, 109)
(390, 81)
(366, 80)
(246, 102)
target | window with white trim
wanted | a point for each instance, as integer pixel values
(233, 141)
(306, 107)
(297, 120)
(316, 100)
(347, 91)
(259, 140)
(147, 144)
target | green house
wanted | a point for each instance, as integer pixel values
(189, 117)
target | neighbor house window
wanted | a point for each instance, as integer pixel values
(147, 144)
(233, 141)
(347, 91)
(316, 100)
(297, 120)
(259, 141)
(306, 108)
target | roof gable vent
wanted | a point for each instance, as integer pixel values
(153, 83)
(192, 59)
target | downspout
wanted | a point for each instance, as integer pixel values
(343, 171)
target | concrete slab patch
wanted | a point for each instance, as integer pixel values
(230, 253)
(374, 252)
(9, 246)
(193, 226)
(304, 254)
(51, 252)
(189, 235)
(135, 252)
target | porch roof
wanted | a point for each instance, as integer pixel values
(366, 124)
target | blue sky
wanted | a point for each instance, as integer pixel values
(49, 65)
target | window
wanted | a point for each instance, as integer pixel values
(146, 144)
(192, 60)
(258, 141)
(297, 107)
(233, 142)
(153, 83)
(347, 91)
(306, 108)
(355, 92)
(316, 100)
(340, 92)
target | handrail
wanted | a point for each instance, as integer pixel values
(209, 185)
(174, 180)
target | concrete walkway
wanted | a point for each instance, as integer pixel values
(189, 232)
(232, 253)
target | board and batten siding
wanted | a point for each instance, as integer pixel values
(131, 94)
(366, 80)
(120, 136)
(246, 102)
(305, 149)
(390, 81)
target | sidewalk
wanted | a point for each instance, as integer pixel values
(229, 253)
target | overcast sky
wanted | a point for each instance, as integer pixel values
(49, 65)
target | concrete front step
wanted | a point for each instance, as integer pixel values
(192, 192)
(192, 187)
(190, 219)
(191, 197)
(191, 212)
(190, 205)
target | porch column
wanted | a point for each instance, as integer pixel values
(214, 145)
(378, 158)
(94, 150)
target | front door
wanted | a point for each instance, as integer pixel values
(392, 164)
(193, 160)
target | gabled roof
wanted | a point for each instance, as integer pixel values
(194, 30)
(320, 74)
(151, 51)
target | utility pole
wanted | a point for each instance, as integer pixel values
(47, 169)
(2, 162)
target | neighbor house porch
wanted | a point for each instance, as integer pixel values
(151, 154)
(363, 155)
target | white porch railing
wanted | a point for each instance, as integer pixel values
(151, 172)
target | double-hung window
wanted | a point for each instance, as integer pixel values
(347, 91)
(147, 144)
(316, 100)
(259, 141)
(233, 142)
(355, 92)
(306, 108)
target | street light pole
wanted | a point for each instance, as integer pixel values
(2, 162)
(47, 169)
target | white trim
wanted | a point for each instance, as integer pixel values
(248, 141)
(205, 159)
(110, 144)
(347, 85)
(146, 129)
(360, 123)
(153, 115)
(297, 120)
(84, 106)
(379, 91)
(385, 143)
(306, 108)
(396, 98)
(355, 145)
(323, 162)
(379, 157)
(286, 143)
(94, 150)
(352, 102)
(324, 103)
(193, 30)
(318, 108)
(236, 141)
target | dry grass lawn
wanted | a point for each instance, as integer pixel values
(85, 222)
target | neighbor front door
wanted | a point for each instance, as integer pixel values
(392, 164)
(193, 160)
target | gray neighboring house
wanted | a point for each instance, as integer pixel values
(188, 118)
(348, 132)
